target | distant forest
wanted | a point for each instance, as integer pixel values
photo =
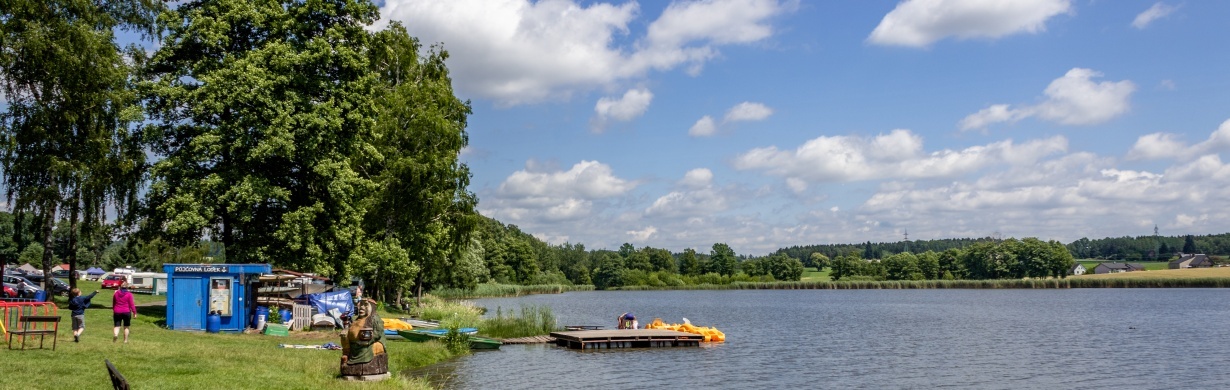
(1140, 248)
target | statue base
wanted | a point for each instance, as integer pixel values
(377, 369)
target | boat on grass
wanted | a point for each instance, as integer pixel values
(476, 342)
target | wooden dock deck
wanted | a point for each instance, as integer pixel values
(625, 338)
(530, 340)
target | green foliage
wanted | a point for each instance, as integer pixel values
(818, 260)
(608, 272)
(420, 196)
(261, 123)
(903, 266)
(457, 343)
(33, 254)
(722, 259)
(689, 264)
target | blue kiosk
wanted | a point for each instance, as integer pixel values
(195, 290)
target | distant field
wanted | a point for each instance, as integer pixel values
(1164, 274)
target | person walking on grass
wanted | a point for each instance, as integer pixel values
(78, 303)
(123, 309)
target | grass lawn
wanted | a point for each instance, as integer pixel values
(157, 358)
(811, 275)
(1164, 274)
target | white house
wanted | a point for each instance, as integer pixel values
(1077, 269)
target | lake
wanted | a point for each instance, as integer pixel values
(977, 339)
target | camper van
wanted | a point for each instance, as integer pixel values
(148, 282)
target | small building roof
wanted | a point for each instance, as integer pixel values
(1123, 266)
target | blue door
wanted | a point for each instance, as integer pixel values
(189, 304)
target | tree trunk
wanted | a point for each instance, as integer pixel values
(49, 217)
(72, 238)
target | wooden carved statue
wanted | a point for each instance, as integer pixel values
(363, 355)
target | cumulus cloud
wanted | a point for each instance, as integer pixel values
(1169, 146)
(1157, 11)
(748, 111)
(552, 49)
(631, 106)
(704, 127)
(696, 197)
(1074, 99)
(742, 112)
(586, 179)
(697, 178)
(643, 234)
(919, 23)
(896, 155)
(540, 193)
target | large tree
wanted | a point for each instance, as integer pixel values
(264, 110)
(65, 143)
(722, 259)
(421, 202)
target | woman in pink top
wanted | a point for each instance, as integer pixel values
(123, 309)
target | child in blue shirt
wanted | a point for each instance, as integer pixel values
(77, 304)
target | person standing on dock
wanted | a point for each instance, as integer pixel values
(627, 321)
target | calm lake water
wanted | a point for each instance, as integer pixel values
(874, 339)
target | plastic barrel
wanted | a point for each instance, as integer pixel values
(262, 313)
(213, 323)
(40, 296)
(285, 314)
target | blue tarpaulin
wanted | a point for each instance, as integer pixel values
(95, 271)
(339, 300)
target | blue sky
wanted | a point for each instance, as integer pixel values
(765, 124)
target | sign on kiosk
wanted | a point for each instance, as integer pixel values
(220, 295)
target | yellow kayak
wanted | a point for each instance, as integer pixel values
(711, 334)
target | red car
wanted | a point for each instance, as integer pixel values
(113, 281)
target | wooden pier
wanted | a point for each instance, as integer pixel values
(530, 340)
(625, 338)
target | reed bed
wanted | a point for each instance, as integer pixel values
(494, 290)
(533, 321)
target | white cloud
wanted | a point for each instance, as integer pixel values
(554, 48)
(919, 23)
(1073, 99)
(796, 185)
(643, 234)
(586, 179)
(994, 114)
(1157, 145)
(748, 111)
(742, 112)
(697, 178)
(688, 203)
(704, 127)
(631, 106)
(1168, 146)
(898, 154)
(1157, 11)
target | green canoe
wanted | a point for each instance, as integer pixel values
(476, 342)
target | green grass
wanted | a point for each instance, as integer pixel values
(158, 358)
(811, 275)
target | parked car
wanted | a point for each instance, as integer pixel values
(37, 279)
(25, 288)
(9, 290)
(59, 287)
(114, 281)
